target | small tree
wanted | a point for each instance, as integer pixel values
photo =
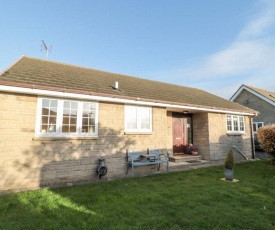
(266, 138)
(229, 160)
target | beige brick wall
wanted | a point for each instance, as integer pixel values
(26, 164)
(267, 111)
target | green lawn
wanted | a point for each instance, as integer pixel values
(195, 199)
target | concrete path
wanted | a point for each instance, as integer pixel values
(261, 154)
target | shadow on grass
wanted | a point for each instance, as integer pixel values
(194, 199)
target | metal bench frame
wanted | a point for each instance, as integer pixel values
(134, 159)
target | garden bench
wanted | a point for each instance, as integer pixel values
(153, 157)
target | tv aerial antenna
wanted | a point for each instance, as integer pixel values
(46, 48)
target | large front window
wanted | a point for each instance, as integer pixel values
(66, 118)
(138, 119)
(235, 123)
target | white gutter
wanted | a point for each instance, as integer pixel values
(51, 93)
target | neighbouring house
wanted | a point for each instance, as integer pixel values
(57, 120)
(257, 99)
(260, 100)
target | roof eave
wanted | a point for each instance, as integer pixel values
(88, 95)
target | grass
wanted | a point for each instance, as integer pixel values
(195, 199)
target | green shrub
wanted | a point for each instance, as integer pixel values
(229, 160)
(266, 138)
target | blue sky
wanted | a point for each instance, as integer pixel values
(214, 45)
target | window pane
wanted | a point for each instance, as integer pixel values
(91, 121)
(52, 128)
(74, 105)
(229, 123)
(53, 103)
(44, 128)
(91, 129)
(69, 117)
(65, 128)
(53, 111)
(131, 116)
(85, 122)
(241, 123)
(45, 111)
(45, 103)
(66, 105)
(48, 119)
(254, 127)
(66, 120)
(235, 123)
(74, 112)
(66, 112)
(144, 115)
(85, 128)
(88, 117)
(73, 120)
(52, 119)
(72, 129)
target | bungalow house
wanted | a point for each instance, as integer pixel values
(257, 99)
(57, 120)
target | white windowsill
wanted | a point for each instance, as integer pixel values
(62, 138)
(235, 133)
(138, 133)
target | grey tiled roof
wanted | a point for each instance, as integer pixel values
(268, 94)
(38, 72)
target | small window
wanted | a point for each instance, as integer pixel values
(235, 123)
(257, 125)
(66, 118)
(138, 119)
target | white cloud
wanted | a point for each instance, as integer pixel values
(250, 59)
(263, 21)
(240, 57)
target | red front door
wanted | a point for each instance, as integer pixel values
(179, 134)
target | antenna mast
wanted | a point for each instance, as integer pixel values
(46, 48)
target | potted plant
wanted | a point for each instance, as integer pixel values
(193, 149)
(229, 165)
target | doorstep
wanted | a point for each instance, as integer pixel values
(187, 161)
(185, 158)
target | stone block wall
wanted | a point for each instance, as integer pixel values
(201, 134)
(266, 110)
(210, 134)
(26, 163)
(29, 164)
(220, 142)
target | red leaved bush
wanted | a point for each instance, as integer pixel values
(266, 138)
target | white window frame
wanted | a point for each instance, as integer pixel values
(138, 119)
(59, 119)
(239, 120)
(257, 125)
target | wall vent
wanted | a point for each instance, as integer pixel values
(116, 85)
